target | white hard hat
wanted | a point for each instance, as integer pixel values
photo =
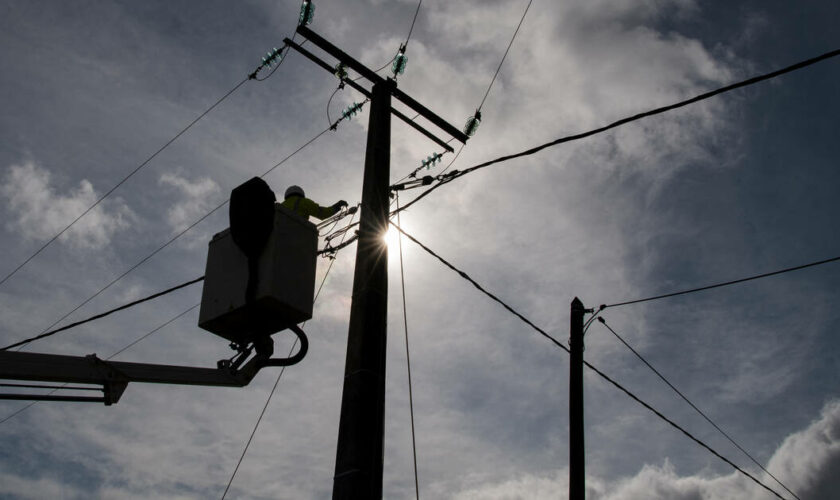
(294, 190)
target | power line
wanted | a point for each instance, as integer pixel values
(102, 315)
(751, 81)
(132, 268)
(676, 426)
(504, 56)
(172, 240)
(405, 44)
(486, 93)
(408, 359)
(329, 101)
(259, 419)
(593, 368)
(726, 283)
(120, 183)
(414, 20)
(274, 388)
(698, 410)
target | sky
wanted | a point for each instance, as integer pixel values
(741, 184)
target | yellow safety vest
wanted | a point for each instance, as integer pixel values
(307, 208)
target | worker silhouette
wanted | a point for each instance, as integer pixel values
(297, 202)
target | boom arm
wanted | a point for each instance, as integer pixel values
(114, 376)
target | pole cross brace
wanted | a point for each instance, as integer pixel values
(371, 76)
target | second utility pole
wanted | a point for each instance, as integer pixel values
(577, 481)
(358, 466)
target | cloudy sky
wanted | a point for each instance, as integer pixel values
(737, 185)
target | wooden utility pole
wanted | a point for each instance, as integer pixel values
(577, 462)
(359, 456)
(361, 429)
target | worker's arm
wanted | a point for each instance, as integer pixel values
(313, 209)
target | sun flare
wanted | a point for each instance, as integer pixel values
(392, 238)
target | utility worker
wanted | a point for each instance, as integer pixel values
(297, 202)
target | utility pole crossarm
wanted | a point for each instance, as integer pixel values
(320, 62)
(370, 75)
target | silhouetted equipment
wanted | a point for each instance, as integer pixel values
(260, 280)
(260, 276)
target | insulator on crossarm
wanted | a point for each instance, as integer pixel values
(340, 71)
(472, 124)
(272, 57)
(350, 111)
(400, 60)
(307, 11)
(430, 161)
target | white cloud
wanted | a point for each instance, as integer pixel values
(808, 462)
(194, 200)
(26, 488)
(39, 212)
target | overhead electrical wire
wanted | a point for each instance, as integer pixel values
(174, 238)
(505, 55)
(486, 93)
(413, 20)
(259, 419)
(723, 284)
(404, 44)
(252, 76)
(102, 315)
(455, 174)
(698, 410)
(407, 357)
(121, 182)
(274, 388)
(589, 365)
(329, 101)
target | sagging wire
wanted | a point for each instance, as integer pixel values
(685, 398)
(341, 73)
(407, 355)
(586, 363)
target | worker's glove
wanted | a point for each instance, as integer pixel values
(340, 204)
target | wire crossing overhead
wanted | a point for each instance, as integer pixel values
(455, 174)
(102, 315)
(408, 359)
(177, 236)
(698, 410)
(723, 284)
(272, 59)
(121, 182)
(499, 68)
(589, 365)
